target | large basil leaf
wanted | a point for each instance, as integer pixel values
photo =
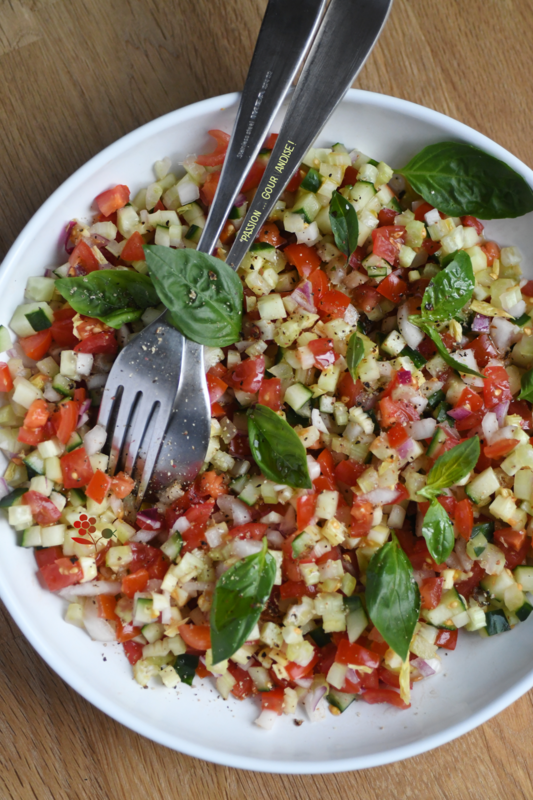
(437, 530)
(344, 224)
(434, 335)
(460, 179)
(276, 448)
(526, 382)
(451, 467)
(203, 294)
(392, 596)
(354, 354)
(450, 289)
(111, 295)
(241, 594)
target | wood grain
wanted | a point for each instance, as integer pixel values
(75, 75)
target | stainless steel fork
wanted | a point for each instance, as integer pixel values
(347, 35)
(160, 370)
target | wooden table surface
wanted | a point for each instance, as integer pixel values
(75, 75)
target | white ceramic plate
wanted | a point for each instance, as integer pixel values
(478, 680)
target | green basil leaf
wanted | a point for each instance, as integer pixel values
(354, 354)
(109, 292)
(344, 224)
(449, 290)
(185, 665)
(451, 467)
(276, 448)
(526, 382)
(241, 594)
(392, 596)
(443, 353)
(203, 294)
(460, 179)
(437, 530)
(119, 318)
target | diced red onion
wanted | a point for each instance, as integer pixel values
(274, 538)
(381, 497)
(424, 667)
(234, 508)
(4, 488)
(503, 333)
(240, 200)
(289, 522)
(420, 575)
(91, 589)
(351, 675)
(501, 412)
(49, 273)
(404, 377)
(351, 315)
(82, 420)
(68, 247)
(266, 719)
(303, 295)
(459, 413)
(422, 429)
(84, 408)
(460, 551)
(98, 629)
(245, 547)
(481, 324)
(150, 519)
(143, 536)
(312, 703)
(405, 448)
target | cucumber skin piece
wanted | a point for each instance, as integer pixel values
(497, 622)
(340, 700)
(12, 497)
(524, 611)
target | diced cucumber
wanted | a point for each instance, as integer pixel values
(524, 576)
(53, 535)
(450, 606)
(486, 528)
(340, 700)
(63, 385)
(31, 537)
(297, 395)
(361, 194)
(394, 344)
(441, 414)
(193, 234)
(143, 608)
(496, 622)
(312, 181)
(319, 636)
(238, 212)
(5, 339)
(304, 541)
(307, 204)
(77, 497)
(153, 631)
(419, 361)
(25, 392)
(238, 484)
(434, 399)
(261, 678)
(21, 322)
(482, 486)
(524, 611)
(172, 547)
(476, 546)
(20, 517)
(34, 464)
(356, 622)
(497, 584)
(40, 289)
(251, 492)
(119, 557)
(438, 438)
(74, 442)
(11, 498)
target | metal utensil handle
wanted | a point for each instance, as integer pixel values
(284, 38)
(345, 40)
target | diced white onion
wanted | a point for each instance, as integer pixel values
(422, 429)
(489, 425)
(234, 508)
(91, 589)
(98, 629)
(412, 335)
(314, 468)
(94, 440)
(245, 547)
(181, 524)
(266, 719)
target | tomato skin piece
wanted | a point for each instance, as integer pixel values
(392, 287)
(472, 222)
(33, 436)
(512, 539)
(133, 249)
(122, 485)
(467, 586)
(106, 607)
(431, 592)
(244, 686)
(384, 696)
(67, 420)
(37, 415)
(273, 700)
(348, 471)
(126, 631)
(464, 518)
(250, 530)
(366, 298)
(496, 387)
(6, 381)
(76, 469)
(305, 509)
(133, 652)
(61, 573)
(248, 375)
(216, 387)
(37, 345)
(112, 199)
(397, 435)
(98, 486)
(325, 460)
(270, 234)
(447, 639)
(82, 259)
(304, 258)
(500, 448)
(492, 251)
(349, 391)
(98, 343)
(422, 210)
(355, 654)
(483, 348)
(62, 332)
(387, 216)
(208, 190)
(135, 582)
(270, 393)
(219, 153)
(387, 242)
(43, 510)
(333, 304)
(48, 555)
(392, 413)
(319, 283)
(196, 636)
(469, 400)
(323, 351)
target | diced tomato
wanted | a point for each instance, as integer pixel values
(484, 349)
(250, 530)
(112, 199)
(136, 582)
(76, 469)
(208, 190)
(133, 652)
(496, 387)
(466, 587)
(296, 671)
(270, 394)
(447, 639)
(388, 677)
(492, 251)
(320, 284)
(325, 460)
(522, 408)
(196, 636)
(500, 448)
(353, 653)
(431, 592)
(63, 332)
(66, 421)
(330, 555)
(512, 539)
(105, 342)
(470, 400)
(133, 249)
(464, 518)
(213, 484)
(514, 557)
(6, 381)
(83, 259)
(126, 631)
(366, 298)
(254, 176)
(472, 222)
(122, 485)
(472, 421)
(304, 258)
(43, 510)
(217, 410)
(392, 287)
(48, 555)
(350, 177)
(448, 503)
(99, 486)
(422, 210)
(527, 289)
(388, 241)
(349, 471)
(106, 606)
(349, 391)
(215, 386)
(324, 484)
(270, 234)
(219, 153)
(273, 700)
(305, 509)
(333, 304)
(240, 446)
(324, 352)
(33, 436)
(387, 216)
(392, 412)
(244, 686)
(397, 435)
(37, 345)
(430, 246)
(295, 589)
(61, 573)
(384, 696)
(248, 375)
(37, 414)
(144, 555)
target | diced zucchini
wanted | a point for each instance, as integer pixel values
(153, 631)
(53, 535)
(251, 492)
(496, 585)
(476, 546)
(438, 438)
(20, 517)
(361, 194)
